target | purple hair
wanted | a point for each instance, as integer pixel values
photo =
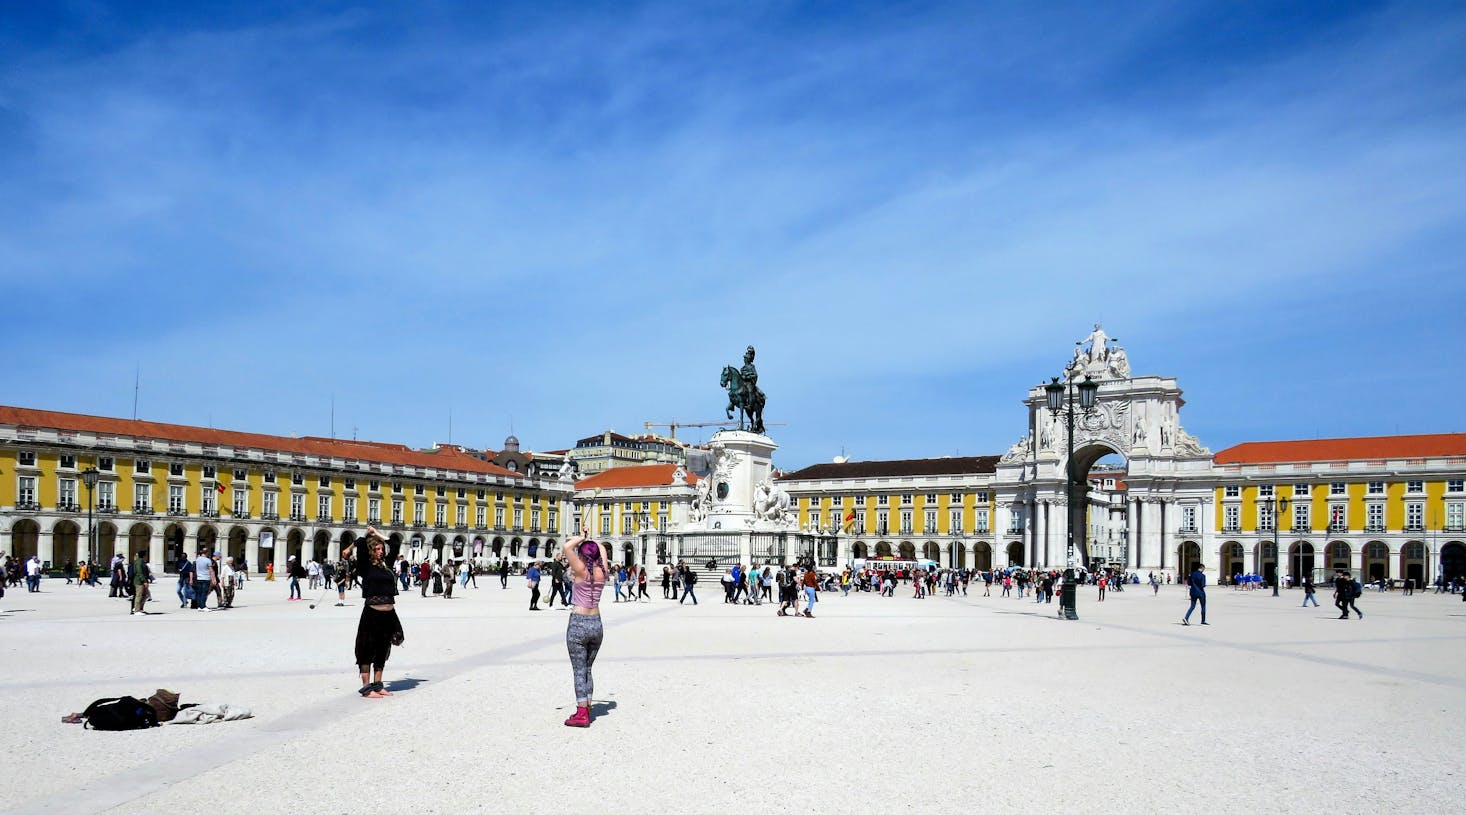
(590, 555)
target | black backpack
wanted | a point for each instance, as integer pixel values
(123, 713)
(1355, 590)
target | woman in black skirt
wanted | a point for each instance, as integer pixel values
(379, 628)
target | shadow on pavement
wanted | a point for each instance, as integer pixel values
(404, 684)
(599, 709)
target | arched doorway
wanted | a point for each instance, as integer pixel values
(1188, 554)
(348, 538)
(321, 546)
(1015, 554)
(931, 551)
(25, 539)
(533, 548)
(982, 556)
(908, 550)
(1336, 554)
(956, 555)
(1231, 560)
(1090, 456)
(514, 545)
(140, 540)
(859, 550)
(1412, 562)
(1376, 561)
(883, 549)
(65, 537)
(628, 555)
(1453, 560)
(1265, 554)
(1300, 560)
(295, 544)
(238, 537)
(107, 541)
(415, 548)
(268, 542)
(498, 547)
(207, 537)
(394, 546)
(173, 547)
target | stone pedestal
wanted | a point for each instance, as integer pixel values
(740, 461)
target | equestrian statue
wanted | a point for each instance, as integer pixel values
(743, 393)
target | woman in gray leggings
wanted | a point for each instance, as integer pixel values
(584, 633)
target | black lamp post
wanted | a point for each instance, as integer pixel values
(1280, 506)
(89, 477)
(1061, 396)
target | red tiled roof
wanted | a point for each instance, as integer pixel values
(369, 451)
(1369, 447)
(643, 475)
(957, 465)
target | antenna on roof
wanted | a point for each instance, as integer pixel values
(137, 374)
(450, 425)
(333, 417)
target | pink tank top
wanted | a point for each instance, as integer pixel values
(587, 593)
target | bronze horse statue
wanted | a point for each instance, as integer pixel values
(749, 401)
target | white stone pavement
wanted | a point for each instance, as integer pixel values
(975, 703)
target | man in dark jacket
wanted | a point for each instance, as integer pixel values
(1197, 583)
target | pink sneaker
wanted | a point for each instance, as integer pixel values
(580, 719)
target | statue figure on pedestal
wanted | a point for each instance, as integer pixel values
(744, 394)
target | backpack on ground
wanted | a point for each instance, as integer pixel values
(122, 713)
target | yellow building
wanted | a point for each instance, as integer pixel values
(167, 490)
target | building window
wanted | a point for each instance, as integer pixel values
(142, 497)
(479, 516)
(210, 471)
(931, 498)
(374, 485)
(1232, 491)
(297, 507)
(175, 498)
(26, 458)
(374, 510)
(1414, 487)
(1264, 490)
(106, 496)
(27, 491)
(1265, 517)
(175, 469)
(461, 515)
(955, 498)
(1300, 517)
(1188, 519)
(240, 475)
(626, 524)
(605, 523)
(954, 522)
(883, 500)
(982, 526)
(208, 504)
(498, 517)
(1338, 488)
(442, 491)
(397, 487)
(1338, 518)
(534, 519)
(860, 521)
(1231, 519)
(930, 523)
(1374, 517)
(269, 476)
(440, 514)
(68, 462)
(1414, 517)
(882, 522)
(241, 502)
(67, 489)
(138, 466)
(1300, 490)
(519, 518)
(419, 512)
(348, 512)
(105, 464)
(270, 505)
(1015, 521)
(906, 499)
(1455, 517)
(397, 512)
(1376, 488)
(1455, 485)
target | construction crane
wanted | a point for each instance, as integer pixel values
(672, 426)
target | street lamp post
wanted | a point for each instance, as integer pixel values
(89, 477)
(1061, 396)
(1280, 506)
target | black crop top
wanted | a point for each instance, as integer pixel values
(376, 581)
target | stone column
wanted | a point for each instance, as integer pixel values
(1132, 543)
(45, 549)
(1041, 525)
(157, 557)
(252, 550)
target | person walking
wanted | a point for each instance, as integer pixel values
(1197, 583)
(204, 578)
(140, 580)
(532, 580)
(503, 572)
(811, 590)
(449, 578)
(584, 632)
(379, 628)
(296, 572)
(1310, 594)
(1104, 582)
(557, 582)
(641, 585)
(689, 579)
(1348, 594)
(226, 583)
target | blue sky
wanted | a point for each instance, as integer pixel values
(570, 217)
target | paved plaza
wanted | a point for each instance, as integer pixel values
(875, 705)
